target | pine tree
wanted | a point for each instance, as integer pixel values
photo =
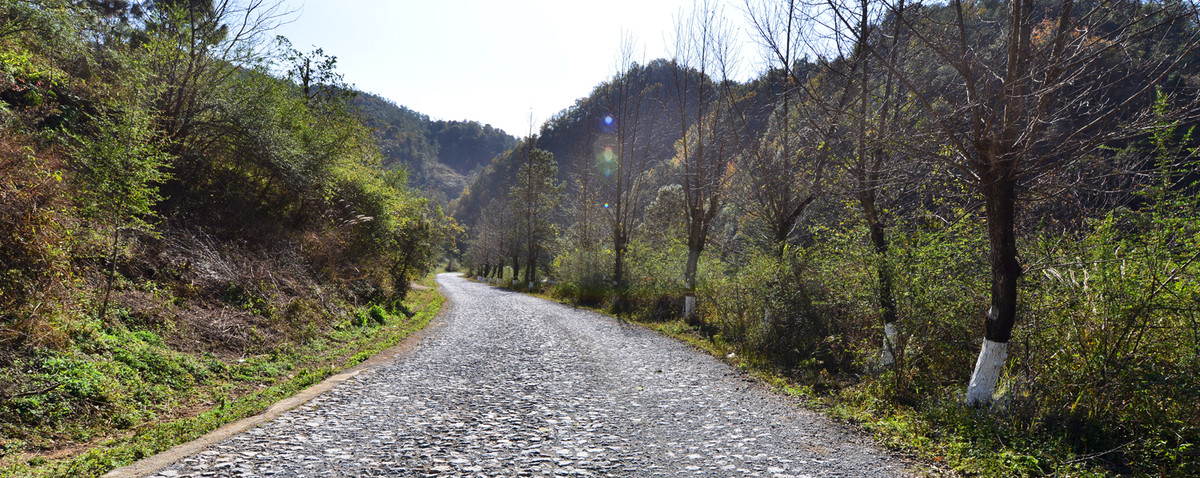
(536, 194)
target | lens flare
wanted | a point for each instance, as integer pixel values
(604, 151)
(606, 161)
(608, 124)
(606, 206)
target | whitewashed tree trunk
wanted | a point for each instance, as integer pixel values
(987, 372)
(890, 336)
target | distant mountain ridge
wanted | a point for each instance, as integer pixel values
(440, 156)
(571, 133)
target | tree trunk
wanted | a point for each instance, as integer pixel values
(516, 266)
(531, 268)
(401, 278)
(781, 234)
(887, 299)
(620, 244)
(1000, 203)
(885, 296)
(689, 279)
(530, 262)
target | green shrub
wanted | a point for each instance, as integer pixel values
(33, 249)
(1110, 360)
(377, 314)
(370, 316)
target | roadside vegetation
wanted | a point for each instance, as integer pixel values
(194, 223)
(169, 397)
(971, 227)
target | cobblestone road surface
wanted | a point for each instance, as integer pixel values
(517, 386)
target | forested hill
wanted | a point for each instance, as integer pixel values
(570, 135)
(438, 155)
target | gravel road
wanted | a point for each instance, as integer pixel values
(516, 386)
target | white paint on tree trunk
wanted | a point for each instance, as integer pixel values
(987, 372)
(890, 336)
(689, 305)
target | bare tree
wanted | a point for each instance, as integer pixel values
(872, 122)
(195, 49)
(1063, 80)
(583, 204)
(703, 151)
(786, 166)
(621, 147)
(494, 240)
(206, 42)
(480, 256)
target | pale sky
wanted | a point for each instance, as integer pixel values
(489, 61)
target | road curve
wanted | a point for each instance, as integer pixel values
(512, 385)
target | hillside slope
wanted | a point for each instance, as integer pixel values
(440, 156)
(180, 229)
